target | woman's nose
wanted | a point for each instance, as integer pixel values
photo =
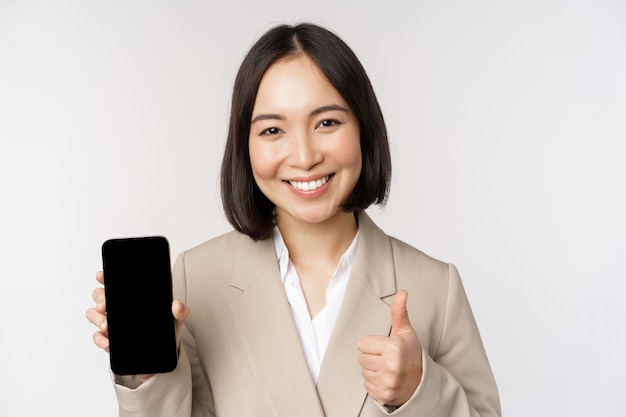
(304, 153)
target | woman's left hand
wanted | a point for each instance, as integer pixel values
(392, 366)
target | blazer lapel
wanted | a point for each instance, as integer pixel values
(266, 326)
(364, 312)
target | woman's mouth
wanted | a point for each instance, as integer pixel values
(310, 185)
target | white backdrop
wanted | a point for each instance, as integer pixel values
(507, 121)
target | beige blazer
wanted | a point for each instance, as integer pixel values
(241, 354)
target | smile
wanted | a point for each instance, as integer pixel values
(309, 185)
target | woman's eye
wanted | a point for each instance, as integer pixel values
(328, 123)
(271, 131)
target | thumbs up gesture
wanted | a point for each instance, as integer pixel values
(392, 366)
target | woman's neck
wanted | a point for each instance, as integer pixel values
(318, 242)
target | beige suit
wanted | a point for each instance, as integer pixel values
(241, 354)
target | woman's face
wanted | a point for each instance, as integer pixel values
(304, 142)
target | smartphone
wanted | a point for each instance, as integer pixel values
(138, 291)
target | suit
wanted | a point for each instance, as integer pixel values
(241, 355)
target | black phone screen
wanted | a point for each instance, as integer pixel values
(138, 291)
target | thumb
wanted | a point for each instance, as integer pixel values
(399, 316)
(180, 312)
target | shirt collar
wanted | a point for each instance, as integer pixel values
(282, 253)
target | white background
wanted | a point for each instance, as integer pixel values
(507, 122)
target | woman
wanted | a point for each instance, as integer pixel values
(308, 308)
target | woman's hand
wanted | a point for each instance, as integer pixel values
(392, 366)
(97, 316)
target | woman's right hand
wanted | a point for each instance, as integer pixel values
(97, 316)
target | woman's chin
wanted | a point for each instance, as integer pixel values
(312, 215)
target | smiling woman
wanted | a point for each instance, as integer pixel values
(332, 64)
(304, 309)
(306, 158)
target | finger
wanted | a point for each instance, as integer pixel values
(100, 277)
(399, 316)
(100, 299)
(101, 341)
(370, 362)
(180, 311)
(374, 345)
(98, 319)
(375, 381)
(376, 392)
(98, 295)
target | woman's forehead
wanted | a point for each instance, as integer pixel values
(295, 84)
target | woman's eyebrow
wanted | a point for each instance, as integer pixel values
(319, 110)
(268, 116)
(330, 107)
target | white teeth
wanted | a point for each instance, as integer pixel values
(310, 185)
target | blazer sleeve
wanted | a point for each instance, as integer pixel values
(162, 395)
(184, 392)
(457, 380)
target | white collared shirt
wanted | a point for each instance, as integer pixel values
(314, 333)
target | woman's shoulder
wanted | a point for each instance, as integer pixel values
(224, 241)
(223, 250)
(404, 252)
(401, 251)
(210, 270)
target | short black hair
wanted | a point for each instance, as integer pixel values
(245, 206)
